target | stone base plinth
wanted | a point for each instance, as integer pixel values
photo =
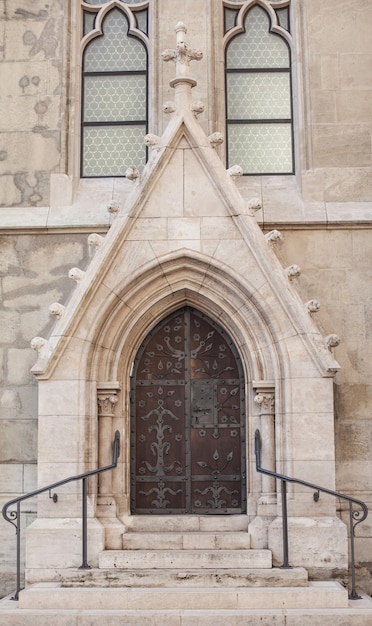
(313, 543)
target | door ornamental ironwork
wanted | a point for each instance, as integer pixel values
(188, 420)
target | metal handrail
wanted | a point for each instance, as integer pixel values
(355, 514)
(14, 517)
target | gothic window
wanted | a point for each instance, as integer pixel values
(114, 88)
(259, 119)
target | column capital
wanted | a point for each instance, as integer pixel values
(107, 398)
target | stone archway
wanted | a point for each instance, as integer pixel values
(188, 420)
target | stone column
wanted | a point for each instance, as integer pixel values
(107, 398)
(265, 399)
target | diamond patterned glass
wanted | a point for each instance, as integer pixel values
(230, 15)
(257, 47)
(109, 150)
(141, 17)
(261, 148)
(114, 51)
(114, 98)
(88, 21)
(258, 96)
(283, 17)
(258, 86)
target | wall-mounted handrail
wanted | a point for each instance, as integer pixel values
(14, 517)
(356, 516)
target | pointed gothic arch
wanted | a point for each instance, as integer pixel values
(188, 420)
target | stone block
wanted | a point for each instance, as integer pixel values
(9, 324)
(313, 442)
(353, 401)
(43, 152)
(348, 185)
(167, 200)
(200, 198)
(11, 478)
(219, 228)
(313, 185)
(19, 441)
(355, 71)
(353, 106)
(184, 228)
(313, 542)
(316, 595)
(53, 543)
(149, 228)
(8, 255)
(323, 109)
(329, 68)
(19, 363)
(10, 403)
(10, 194)
(353, 440)
(313, 396)
(61, 436)
(185, 559)
(339, 145)
(352, 474)
(29, 477)
(58, 398)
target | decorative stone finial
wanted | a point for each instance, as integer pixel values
(234, 171)
(132, 173)
(274, 236)
(37, 343)
(76, 274)
(293, 271)
(332, 341)
(215, 139)
(95, 240)
(57, 309)
(182, 55)
(313, 306)
(254, 205)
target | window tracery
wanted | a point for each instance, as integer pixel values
(114, 108)
(259, 117)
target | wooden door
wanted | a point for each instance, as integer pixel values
(188, 420)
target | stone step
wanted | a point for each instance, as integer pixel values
(186, 541)
(357, 613)
(317, 595)
(353, 616)
(185, 559)
(186, 523)
(276, 577)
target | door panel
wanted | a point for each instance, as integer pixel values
(188, 420)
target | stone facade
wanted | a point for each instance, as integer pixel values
(168, 246)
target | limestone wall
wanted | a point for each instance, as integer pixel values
(336, 68)
(33, 53)
(33, 274)
(332, 189)
(336, 270)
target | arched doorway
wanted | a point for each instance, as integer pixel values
(188, 420)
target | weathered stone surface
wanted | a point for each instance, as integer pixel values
(19, 439)
(332, 187)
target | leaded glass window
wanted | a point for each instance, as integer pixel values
(114, 96)
(258, 95)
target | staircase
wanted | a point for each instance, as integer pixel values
(186, 578)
